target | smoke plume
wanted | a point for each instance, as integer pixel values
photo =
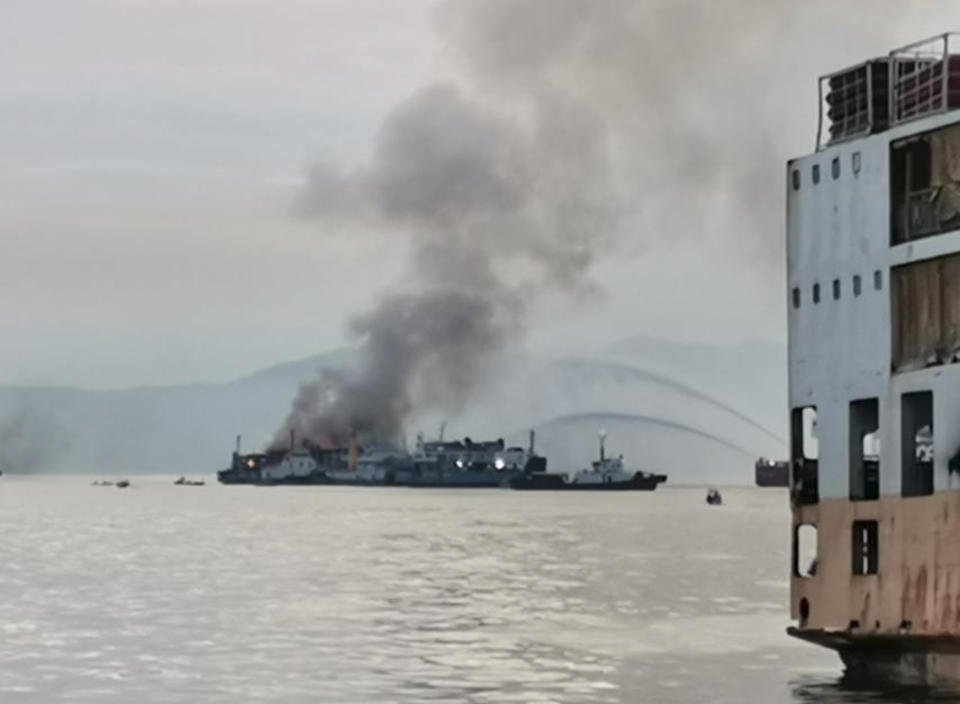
(571, 129)
(29, 440)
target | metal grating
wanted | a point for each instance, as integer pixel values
(853, 102)
(914, 81)
(924, 78)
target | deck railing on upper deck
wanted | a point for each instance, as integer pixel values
(914, 81)
(924, 78)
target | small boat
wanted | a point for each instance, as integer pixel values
(606, 474)
(122, 484)
(183, 481)
(714, 498)
(101, 483)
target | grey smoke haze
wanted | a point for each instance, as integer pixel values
(570, 130)
(29, 439)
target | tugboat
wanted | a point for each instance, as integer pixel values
(606, 474)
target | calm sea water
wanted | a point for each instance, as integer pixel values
(219, 594)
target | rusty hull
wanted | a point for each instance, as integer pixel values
(910, 610)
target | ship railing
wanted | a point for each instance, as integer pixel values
(849, 103)
(914, 81)
(920, 78)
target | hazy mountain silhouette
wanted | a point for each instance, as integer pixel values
(698, 412)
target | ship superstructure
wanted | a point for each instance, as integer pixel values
(459, 463)
(873, 251)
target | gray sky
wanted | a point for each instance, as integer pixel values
(152, 150)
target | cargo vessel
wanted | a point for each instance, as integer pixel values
(771, 473)
(873, 299)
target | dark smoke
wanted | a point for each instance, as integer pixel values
(574, 129)
(492, 214)
(29, 441)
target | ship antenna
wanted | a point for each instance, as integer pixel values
(603, 438)
(443, 427)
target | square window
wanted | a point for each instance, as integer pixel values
(816, 173)
(796, 179)
(865, 547)
(836, 289)
(816, 293)
(796, 297)
(835, 168)
(878, 280)
(857, 287)
(855, 163)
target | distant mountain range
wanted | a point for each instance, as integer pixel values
(700, 413)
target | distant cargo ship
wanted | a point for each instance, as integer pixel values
(772, 473)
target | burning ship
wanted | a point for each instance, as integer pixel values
(873, 254)
(460, 463)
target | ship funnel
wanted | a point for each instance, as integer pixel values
(533, 438)
(352, 461)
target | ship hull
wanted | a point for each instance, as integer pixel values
(458, 479)
(316, 479)
(557, 482)
(893, 658)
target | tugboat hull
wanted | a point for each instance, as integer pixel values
(559, 482)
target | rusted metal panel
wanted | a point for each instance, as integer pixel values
(917, 587)
(917, 315)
